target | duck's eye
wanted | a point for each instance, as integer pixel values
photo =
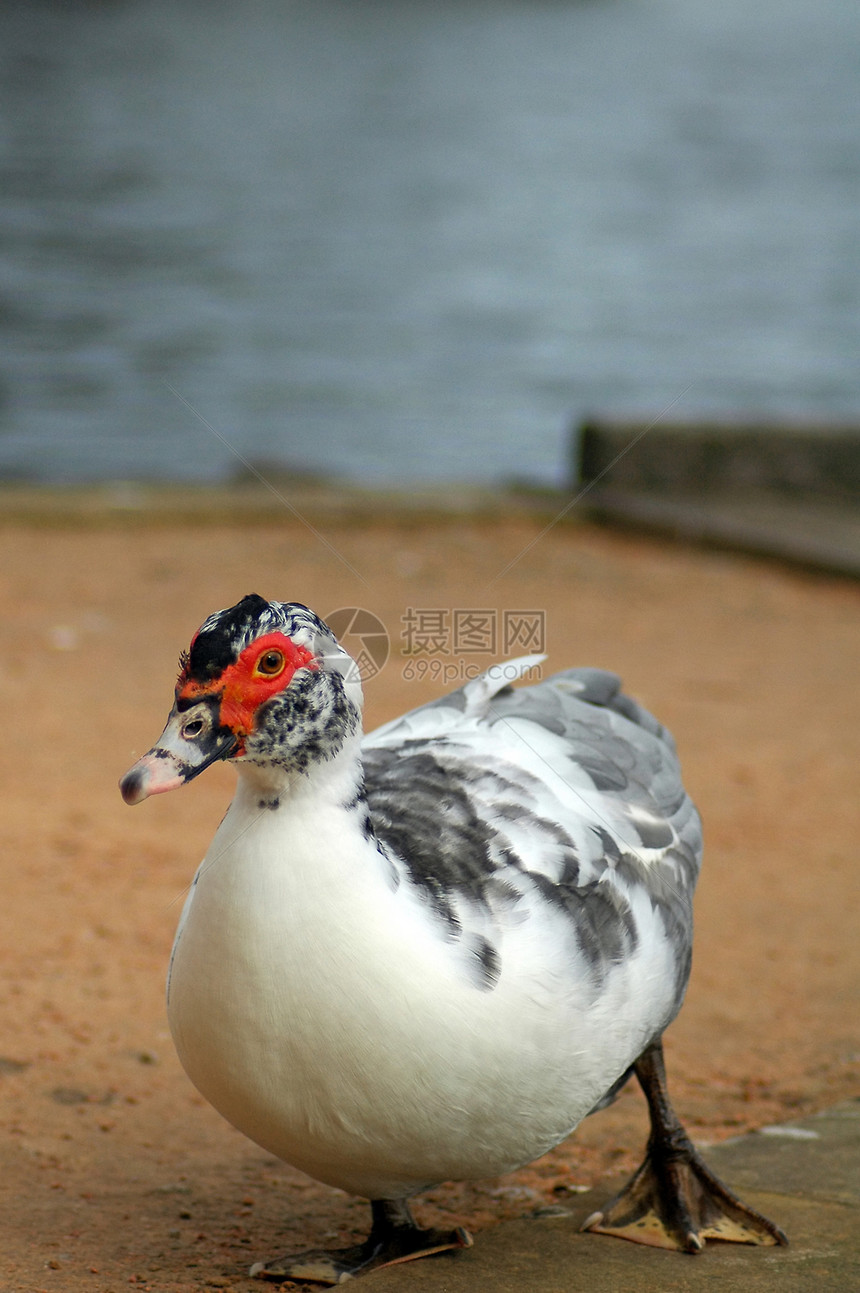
(270, 664)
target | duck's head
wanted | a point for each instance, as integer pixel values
(263, 683)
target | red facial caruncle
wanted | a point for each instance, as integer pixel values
(264, 668)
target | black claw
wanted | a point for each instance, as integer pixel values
(394, 1237)
(674, 1200)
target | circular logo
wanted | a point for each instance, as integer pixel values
(364, 636)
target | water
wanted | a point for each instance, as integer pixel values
(396, 241)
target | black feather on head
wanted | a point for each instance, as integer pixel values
(222, 636)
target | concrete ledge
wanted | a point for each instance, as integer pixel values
(809, 534)
(787, 492)
(703, 459)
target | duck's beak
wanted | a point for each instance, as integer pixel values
(191, 741)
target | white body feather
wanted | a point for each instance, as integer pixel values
(322, 1012)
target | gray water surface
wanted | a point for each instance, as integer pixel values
(396, 241)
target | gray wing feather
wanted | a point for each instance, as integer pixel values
(462, 824)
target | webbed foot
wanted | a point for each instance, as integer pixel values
(394, 1237)
(674, 1200)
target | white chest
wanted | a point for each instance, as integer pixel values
(323, 1013)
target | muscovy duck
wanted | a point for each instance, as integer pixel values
(428, 953)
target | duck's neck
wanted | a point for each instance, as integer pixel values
(300, 833)
(335, 781)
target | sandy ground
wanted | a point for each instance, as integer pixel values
(115, 1173)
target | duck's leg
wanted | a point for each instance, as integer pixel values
(674, 1200)
(394, 1237)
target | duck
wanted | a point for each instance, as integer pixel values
(427, 953)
